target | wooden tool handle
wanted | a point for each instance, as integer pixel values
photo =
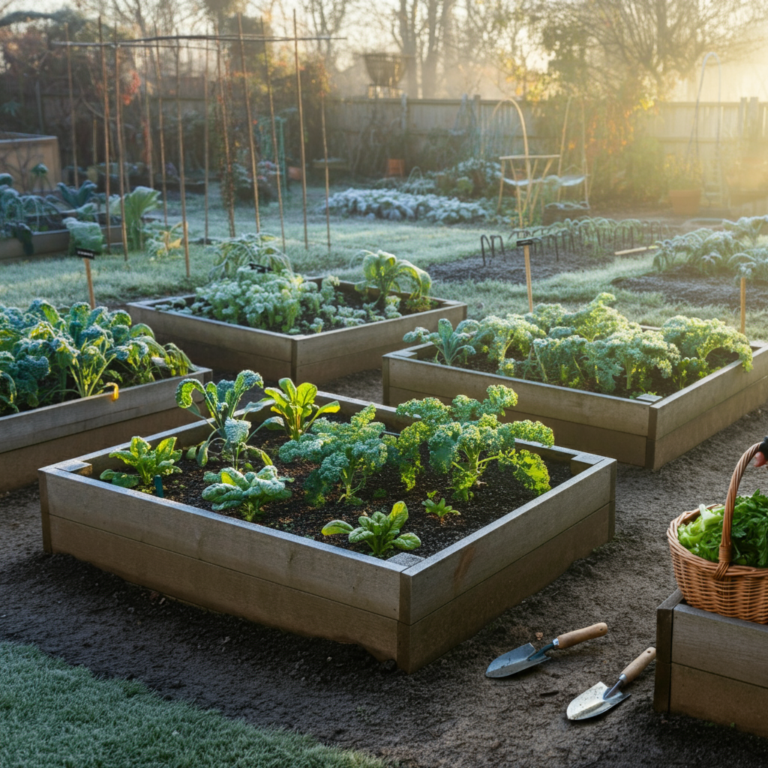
(580, 635)
(633, 669)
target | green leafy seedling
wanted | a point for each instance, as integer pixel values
(379, 531)
(295, 407)
(147, 462)
(451, 345)
(251, 490)
(439, 508)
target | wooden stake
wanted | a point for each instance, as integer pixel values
(743, 291)
(225, 135)
(275, 148)
(327, 172)
(206, 140)
(527, 255)
(249, 117)
(182, 187)
(120, 158)
(163, 178)
(148, 109)
(301, 131)
(95, 139)
(105, 85)
(89, 278)
(72, 106)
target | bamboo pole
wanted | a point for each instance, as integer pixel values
(227, 179)
(249, 117)
(275, 148)
(89, 279)
(95, 139)
(148, 110)
(206, 157)
(105, 86)
(301, 132)
(743, 295)
(120, 158)
(161, 129)
(327, 171)
(72, 107)
(182, 187)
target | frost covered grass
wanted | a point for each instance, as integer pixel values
(54, 714)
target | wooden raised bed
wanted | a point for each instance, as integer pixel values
(411, 613)
(648, 433)
(47, 243)
(317, 357)
(34, 439)
(711, 667)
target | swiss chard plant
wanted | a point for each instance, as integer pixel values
(464, 438)
(451, 344)
(385, 273)
(379, 531)
(348, 454)
(295, 407)
(250, 491)
(147, 461)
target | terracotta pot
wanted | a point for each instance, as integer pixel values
(395, 167)
(685, 202)
(294, 173)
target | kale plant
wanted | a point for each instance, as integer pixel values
(348, 454)
(464, 438)
(295, 407)
(379, 531)
(251, 491)
(147, 462)
(451, 345)
(76, 197)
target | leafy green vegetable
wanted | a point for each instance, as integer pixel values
(237, 252)
(439, 508)
(147, 462)
(251, 490)
(84, 234)
(379, 531)
(384, 272)
(295, 407)
(76, 197)
(749, 532)
(451, 345)
(348, 454)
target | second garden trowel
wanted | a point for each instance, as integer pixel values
(527, 656)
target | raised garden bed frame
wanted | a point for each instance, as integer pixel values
(49, 243)
(645, 432)
(711, 667)
(43, 436)
(410, 613)
(317, 357)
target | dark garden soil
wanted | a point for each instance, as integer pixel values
(683, 284)
(447, 714)
(511, 267)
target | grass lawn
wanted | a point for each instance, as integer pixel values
(52, 714)
(62, 280)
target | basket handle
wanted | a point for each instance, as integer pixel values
(726, 549)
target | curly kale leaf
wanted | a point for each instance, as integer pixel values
(251, 491)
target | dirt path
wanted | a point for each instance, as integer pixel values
(447, 714)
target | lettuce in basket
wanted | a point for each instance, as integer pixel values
(749, 532)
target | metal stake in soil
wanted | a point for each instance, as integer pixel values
(182, 186)
(120, 158)
(71, 106)
(105, 86)
(301, 131)
(275, 151)
(249, 117)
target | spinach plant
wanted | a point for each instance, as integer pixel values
(464, 438)
(348, 454)
(385, 272)
(295, 407)
(379, 531)
(439, 508)
(251, 491)
(147, 462)
(451, 345)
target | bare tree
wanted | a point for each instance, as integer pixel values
(327, 18)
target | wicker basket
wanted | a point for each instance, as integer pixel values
(737, 591)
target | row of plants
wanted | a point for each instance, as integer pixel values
(473, 178)
(458, 442)
(49, 356)
(253, 284)
(594, 348)
(740, 250)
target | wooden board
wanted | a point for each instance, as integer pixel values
(664, 620)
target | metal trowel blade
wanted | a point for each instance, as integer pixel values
(516, 661)
(591, 703)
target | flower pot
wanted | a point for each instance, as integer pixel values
(395, 167)
(685, 202)
(294, 173)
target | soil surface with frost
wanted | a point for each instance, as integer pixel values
(448, 713)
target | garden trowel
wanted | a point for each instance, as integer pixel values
(600, 698)
(527, 656)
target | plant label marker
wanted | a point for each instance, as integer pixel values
(527, 243)
(743, 292)
(88, 256)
